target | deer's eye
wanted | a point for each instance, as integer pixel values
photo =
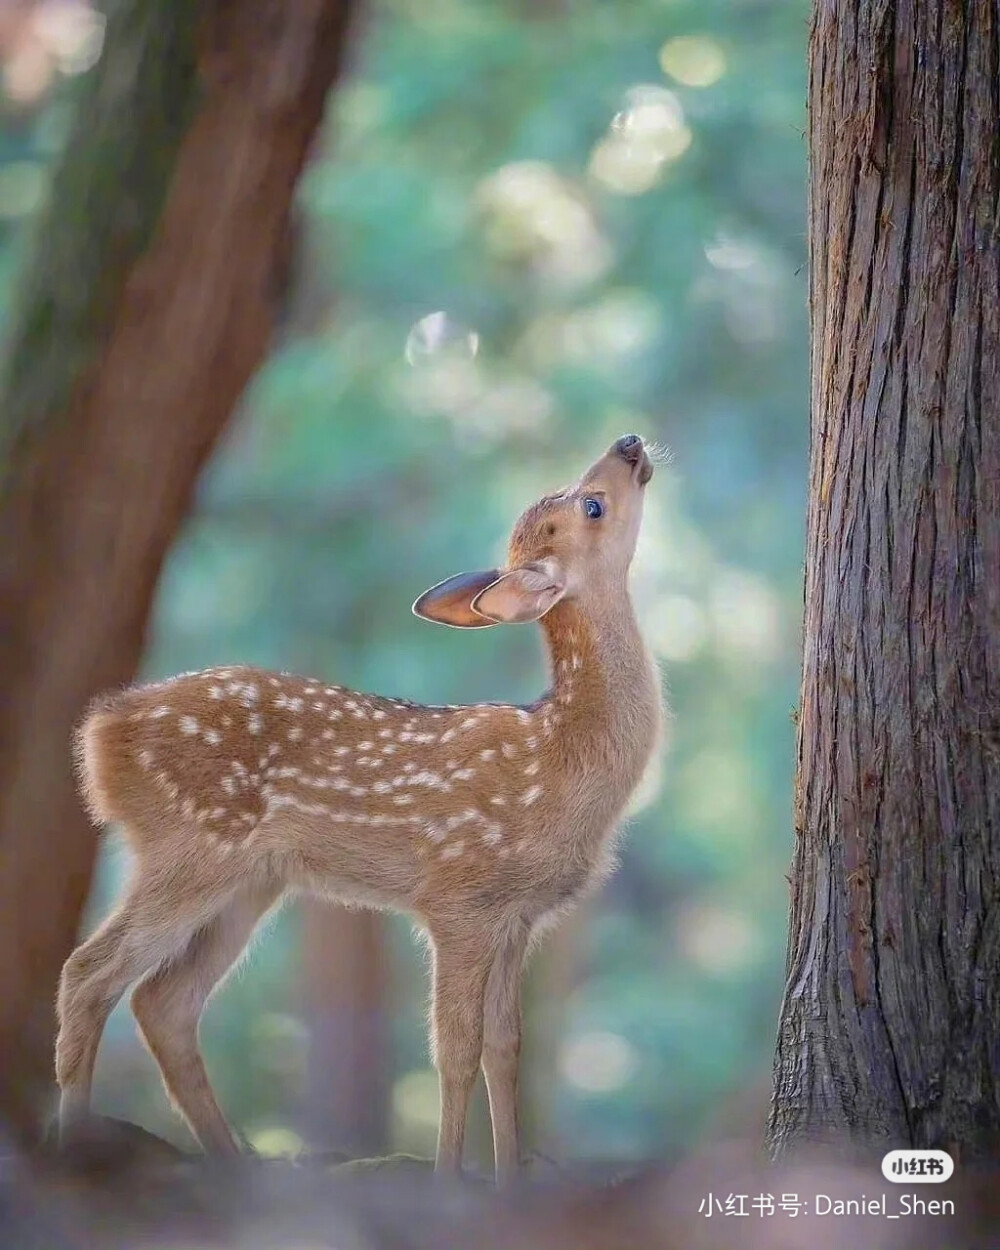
(593, 508)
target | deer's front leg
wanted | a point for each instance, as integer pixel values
(502, 1048)
(460, 971)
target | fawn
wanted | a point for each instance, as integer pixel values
(484, 822)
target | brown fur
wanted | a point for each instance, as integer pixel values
(483, 822)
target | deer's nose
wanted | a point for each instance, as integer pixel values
(629, 447)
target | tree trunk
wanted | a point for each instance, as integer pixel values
(350, 1069)
(144, 308)
(891, 1017)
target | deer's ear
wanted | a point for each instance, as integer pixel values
(523, 594)
(450, 601)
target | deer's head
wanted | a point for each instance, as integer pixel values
(577, 543)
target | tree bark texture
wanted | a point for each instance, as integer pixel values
(144, 307)
(890, 1026)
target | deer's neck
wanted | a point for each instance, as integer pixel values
(604, 690)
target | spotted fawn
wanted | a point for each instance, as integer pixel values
(484, 823)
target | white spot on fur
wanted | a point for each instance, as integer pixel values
(508, 749)
(463, 774)
(487, 755)
(213, 737)
(254, 723)
(493, 833)
(498, 800)
(401, 800)
(188, 725)
(529, 796)
(146, 759)
(295, 733)
(297, 804)
(453, 850)
(532, 769)
(215, 692)
(446, 736)
(427, 778)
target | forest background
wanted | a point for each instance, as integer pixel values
(526, 230)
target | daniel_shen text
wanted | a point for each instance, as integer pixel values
(898, 1205)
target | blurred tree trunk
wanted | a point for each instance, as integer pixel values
(144, 307)
(349, 1077)
(891, 1015)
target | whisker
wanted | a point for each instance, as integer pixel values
(659, 453)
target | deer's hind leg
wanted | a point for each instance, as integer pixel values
(461, 967)
(168, 1004)
(146, 929)
(502, 1047)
